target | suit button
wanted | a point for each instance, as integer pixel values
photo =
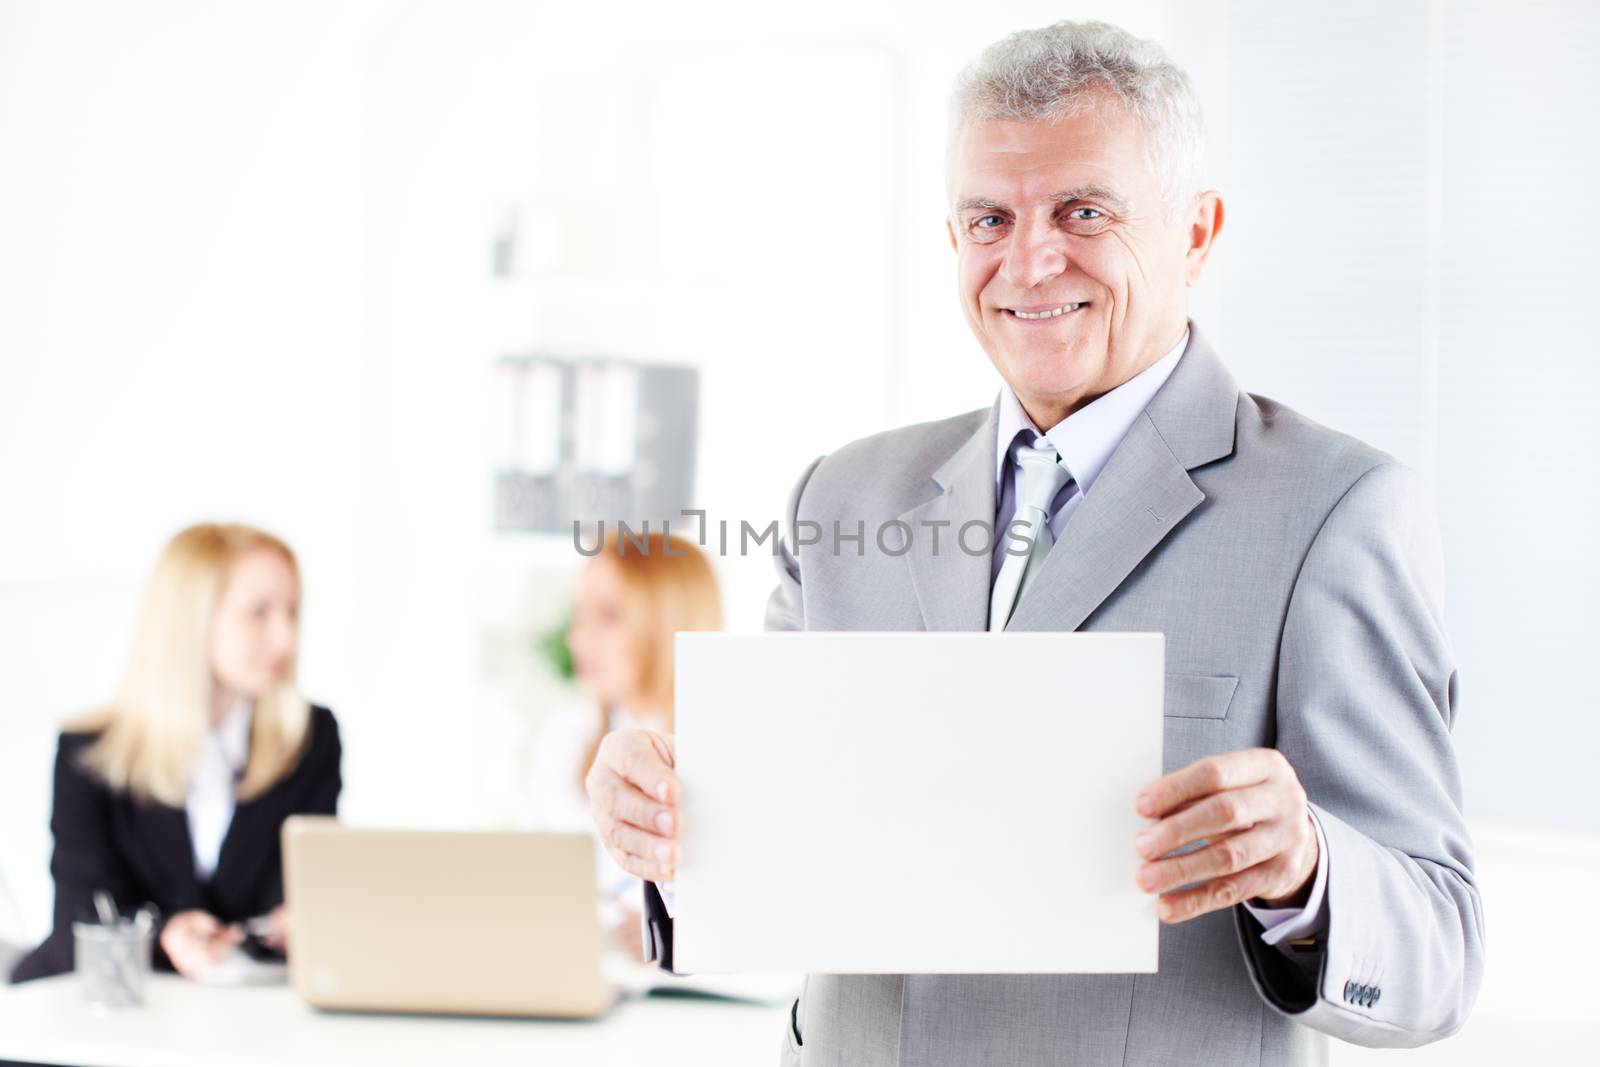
(1348, 986)
(1376, 993)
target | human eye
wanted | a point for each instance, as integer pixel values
(1085, 219)
(1085, 216)
(986, 227)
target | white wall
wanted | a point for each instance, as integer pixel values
(1409, 260)
(180, 337)
(244, 273)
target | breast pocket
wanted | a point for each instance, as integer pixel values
(1198, 696)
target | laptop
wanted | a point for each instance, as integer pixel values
(443, 922)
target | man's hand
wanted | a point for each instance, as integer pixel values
(633, 796)
(1250, 811)
(195, 940)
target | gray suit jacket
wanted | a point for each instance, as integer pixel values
(1298, 577)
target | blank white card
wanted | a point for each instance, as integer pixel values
(910, 803)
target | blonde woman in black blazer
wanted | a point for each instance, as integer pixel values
(174, 794)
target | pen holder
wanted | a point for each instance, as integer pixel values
(112, 961)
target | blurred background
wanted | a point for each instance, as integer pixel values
(328, 267)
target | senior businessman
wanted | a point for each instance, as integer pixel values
(1307, 841)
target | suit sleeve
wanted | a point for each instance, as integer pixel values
(1366, 699)
(323, 770)
(786, 608)
(84, 860)
(785, 611)
(316, 784)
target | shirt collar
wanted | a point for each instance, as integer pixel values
(1086, 439)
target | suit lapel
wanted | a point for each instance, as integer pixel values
(163, 833)
(245, 848)
(1136, 501)
(1141, 495)
(952, 585)
(251, 838)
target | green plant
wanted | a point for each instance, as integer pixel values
(552, 645)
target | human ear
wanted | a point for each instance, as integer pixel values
(1205, 223)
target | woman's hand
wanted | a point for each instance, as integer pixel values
(628, 934)
(273, 929)
(195, 940)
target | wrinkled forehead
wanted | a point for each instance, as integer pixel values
(998, 161)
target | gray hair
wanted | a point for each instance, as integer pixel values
(1063, 70)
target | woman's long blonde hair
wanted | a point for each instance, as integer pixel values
(668, 587)
(151, 733)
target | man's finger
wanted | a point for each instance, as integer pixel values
(635, 850)
(1219, 893)
(641, 866)
(1225, 855)
(625, 803)
(1210, 774)
(1208, 818)
(647, 845)
(644, 760)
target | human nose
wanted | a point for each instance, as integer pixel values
(1035, 255)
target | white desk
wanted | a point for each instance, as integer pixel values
(183, 1024)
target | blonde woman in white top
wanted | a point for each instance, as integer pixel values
(634, 595)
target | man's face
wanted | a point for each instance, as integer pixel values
(1068, 215)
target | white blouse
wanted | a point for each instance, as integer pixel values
(555, 801)
(212, 782)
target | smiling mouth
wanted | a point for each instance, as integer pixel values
(1042, 314)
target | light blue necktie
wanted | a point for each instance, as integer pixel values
(1043, 475)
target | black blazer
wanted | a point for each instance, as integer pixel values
(140, 852)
